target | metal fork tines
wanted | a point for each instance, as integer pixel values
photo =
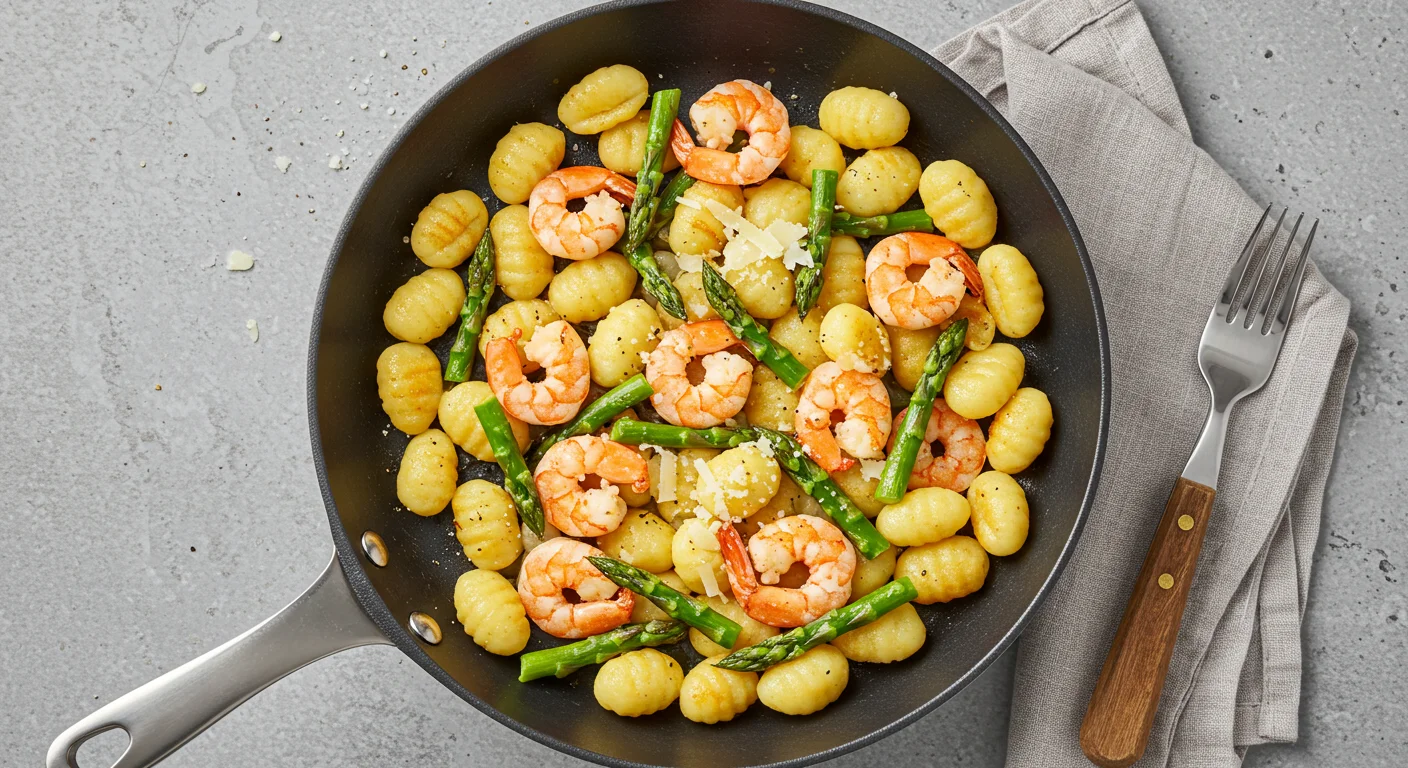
(1243, 334)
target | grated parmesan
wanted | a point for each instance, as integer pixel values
(748, 243)
(870, 468)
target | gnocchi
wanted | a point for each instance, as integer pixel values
(959, 202)
(694, 230)
(698, 561)
(642, 540)
(586, 290)
(1019, 431)
(461, 423)
(908, 350)
(806, 684)
(771, 403)
(777, 200)
(945, 570)
(644, 610)
(622, 146)
(981, 326)
(425, 306)
(753, 631)
(486, 525)
(860, 488)
(874, 573)
(1012, 290)
(677, 504)
(712, 695)
(425, 482)
(696, 304)
(843, 277)
(765, 287)
(616, 350)
(487, 606)
(448, 229)
(879, 181)
(863, 118)
(527, 316)
(408, 382)
(923, 516)
(639, 682)
(521, 266)
(893, 637)
(605, 98)
(811, 150)
(522, 158)
(981, 382)
(738, 482)
(801, 336)
(1001, 517)
(855, 339)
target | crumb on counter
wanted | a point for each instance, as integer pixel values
(252, 326)
(238, 261)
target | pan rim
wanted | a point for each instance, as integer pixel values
(352, 565)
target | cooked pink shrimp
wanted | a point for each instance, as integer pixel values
(863, 405)
(965, 450)
(932, 300)
(559, 564)
(557, 398)
(727, 107)
(816, 543)
(579, 511)
(586, 233)
(724, 387)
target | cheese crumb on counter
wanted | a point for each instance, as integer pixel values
(275, 36)
(282, 163)
(335, 162)
(197, 87)
(238, 261)
(252, 326)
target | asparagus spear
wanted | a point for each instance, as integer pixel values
(725, 301)
(818, 238)
(788, 453)
(793, 643)
(518, 481)
(894, 478)
(636, 432)
(888, 224)
(816, 483)
(566, 659)
(594, 416)
(669, 201)
(479, 288)
(714, 625)
(663, 107)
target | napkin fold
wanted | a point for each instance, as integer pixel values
(1084, 84)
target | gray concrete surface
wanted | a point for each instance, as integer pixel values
(149, 523)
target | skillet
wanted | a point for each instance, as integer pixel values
(393, 573)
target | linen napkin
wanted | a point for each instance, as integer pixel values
(1084, 84)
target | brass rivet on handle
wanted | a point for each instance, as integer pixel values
(1186, 522)
(1166, 580)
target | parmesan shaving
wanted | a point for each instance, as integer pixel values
(710, 485)
(870, 468)
(711, 584)
(689, 203)
(664, 478)
(690, 262)
(747, 242)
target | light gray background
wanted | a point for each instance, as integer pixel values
(147, 526)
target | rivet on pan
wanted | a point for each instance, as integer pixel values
(374, 548)
(1165, 581)
(424, 627)
(1186, 522)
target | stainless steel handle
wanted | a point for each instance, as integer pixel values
(164, 714)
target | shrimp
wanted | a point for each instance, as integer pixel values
(555, 399)
(735, 105)
(863, 404)
(965, 450)
(578, 511)
(816, 543)
(559, 564)
(586, 233)
(727, 376)
(932, 300)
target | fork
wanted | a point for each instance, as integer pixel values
(1238, 350)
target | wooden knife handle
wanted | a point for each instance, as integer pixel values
(1121, 711)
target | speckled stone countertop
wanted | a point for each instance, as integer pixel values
(159, 494)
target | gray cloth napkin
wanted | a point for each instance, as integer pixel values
(1084, 84)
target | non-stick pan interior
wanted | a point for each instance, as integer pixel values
(804, 52)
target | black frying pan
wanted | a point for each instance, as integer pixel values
(801, 49)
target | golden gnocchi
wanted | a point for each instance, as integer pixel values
(1001, 517)
(753, 631)
(521, 266)
(806, 684)
(408, 381)
(488, 608)
(425, 306)
(616, 351)
(605, 98)
(622, 146)
(695, 231)
(698, 561)
(1019, 430)
(486, 525)
(981, 326)
(771, 403)
(801, 336)
(712, 695)
(527, 316)
(738, 482)
(644, 610)
(586, 290)
(893, 637)
(811, 150)
(461, 423)
(675, 501)
(640, 682)
(860, 489)
(981, 382)
(863, 118)
(448, 229)
(843, 277)
(959, 202)
(522, 158)
(777, 200)
(879, 181)
(425, 483)
(855, 339)
(1012, 290)
(642, 540)
(765, 287)
(945, 570)
(923, 516)
(908, 350)
(874, 573)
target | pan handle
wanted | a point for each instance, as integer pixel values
(167, 712)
